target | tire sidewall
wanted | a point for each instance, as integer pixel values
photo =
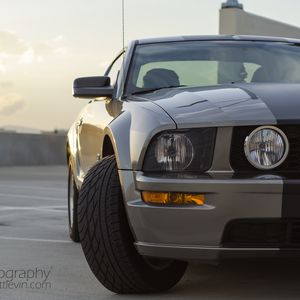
(73, 228)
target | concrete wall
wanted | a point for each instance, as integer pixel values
(32, 149)
(240, 22)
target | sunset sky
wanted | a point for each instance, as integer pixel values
(45, 44)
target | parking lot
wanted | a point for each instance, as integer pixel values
(35, 249)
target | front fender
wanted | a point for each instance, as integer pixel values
(71, 141)
(131, 132)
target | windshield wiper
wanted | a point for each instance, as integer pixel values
(156, 89)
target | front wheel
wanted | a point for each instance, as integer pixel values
(108, 243)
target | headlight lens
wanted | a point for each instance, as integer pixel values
(266, 147)
(181, 150)
(174, 152)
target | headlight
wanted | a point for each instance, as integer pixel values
(266, 147)
(176, 151)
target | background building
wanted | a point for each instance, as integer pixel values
(235, 20)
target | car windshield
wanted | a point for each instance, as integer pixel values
(209, 63)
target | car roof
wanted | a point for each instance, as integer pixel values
(216, 38)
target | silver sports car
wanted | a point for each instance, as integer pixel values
(188, 150)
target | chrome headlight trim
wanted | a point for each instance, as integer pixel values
(247, 149)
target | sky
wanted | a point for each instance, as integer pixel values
(46, 44)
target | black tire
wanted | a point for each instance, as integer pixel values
(73, 195)
(108, 243)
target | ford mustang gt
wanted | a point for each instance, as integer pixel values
(189, 149)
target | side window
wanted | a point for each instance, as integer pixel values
(114, 69)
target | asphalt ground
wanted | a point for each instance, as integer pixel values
(38, 261)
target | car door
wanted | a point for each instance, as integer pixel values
(93, 120)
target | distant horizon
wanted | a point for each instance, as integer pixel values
(24, 129)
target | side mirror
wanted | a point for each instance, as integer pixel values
(92, 87)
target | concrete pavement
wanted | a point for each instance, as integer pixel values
(34, 239)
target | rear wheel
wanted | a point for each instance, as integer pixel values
(72, 207)
(107, 241)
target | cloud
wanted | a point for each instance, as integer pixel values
(11, 103)
(28, 56)
(7, 84)
(11, 44)
(50, 47)
(15, 49)
(3, 59)
(2, 68)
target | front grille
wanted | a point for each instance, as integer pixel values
(262, 233)
(239, 161)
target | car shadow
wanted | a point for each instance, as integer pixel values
(257, 279)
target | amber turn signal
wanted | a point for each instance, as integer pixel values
(173, 198)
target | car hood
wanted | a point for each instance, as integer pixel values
(230, 105)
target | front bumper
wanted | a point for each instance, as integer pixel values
(205, 253)
(196, 232)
